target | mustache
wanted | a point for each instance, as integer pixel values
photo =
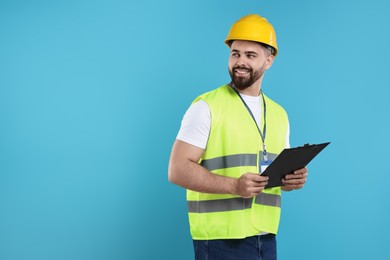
(242, 68)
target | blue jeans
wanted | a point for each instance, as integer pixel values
(250, 248)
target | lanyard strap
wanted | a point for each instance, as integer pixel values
(262, 133)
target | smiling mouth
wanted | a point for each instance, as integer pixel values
(241, 72)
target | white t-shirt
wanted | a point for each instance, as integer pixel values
(195, 126)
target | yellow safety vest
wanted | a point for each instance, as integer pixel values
(234, 147)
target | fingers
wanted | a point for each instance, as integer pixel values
(251, 184)
(295, 176)
(298, 174)
(255, 177)
(296, 180)
(254, 180)
(295, 183)
(300, 171)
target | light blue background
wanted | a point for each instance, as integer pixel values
(91, 98)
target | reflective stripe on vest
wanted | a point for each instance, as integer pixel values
(234, 160)
(220, 205)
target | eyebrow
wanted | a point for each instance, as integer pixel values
(246, 52)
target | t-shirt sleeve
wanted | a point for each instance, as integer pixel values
(195, 126)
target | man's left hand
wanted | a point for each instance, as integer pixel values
(295, 181)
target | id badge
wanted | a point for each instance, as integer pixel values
(264, 165)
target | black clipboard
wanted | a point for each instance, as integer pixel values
(289, 160)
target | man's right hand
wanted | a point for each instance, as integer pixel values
(250, 185)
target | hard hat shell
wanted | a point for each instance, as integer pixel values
(255, 28)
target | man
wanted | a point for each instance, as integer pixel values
(227, 138)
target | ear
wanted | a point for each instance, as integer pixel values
(269, 60)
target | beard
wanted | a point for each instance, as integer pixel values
(242, 83)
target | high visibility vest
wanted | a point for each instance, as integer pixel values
(235, 147)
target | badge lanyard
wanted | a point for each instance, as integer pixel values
(262, 133)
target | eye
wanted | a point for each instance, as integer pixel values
(235, 54)
(251, 56)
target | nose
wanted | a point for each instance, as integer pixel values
(240, 61)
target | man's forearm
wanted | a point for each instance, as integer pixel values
(193, 176)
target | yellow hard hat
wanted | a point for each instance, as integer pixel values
(255, 28)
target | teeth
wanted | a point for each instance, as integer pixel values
(241, 71)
